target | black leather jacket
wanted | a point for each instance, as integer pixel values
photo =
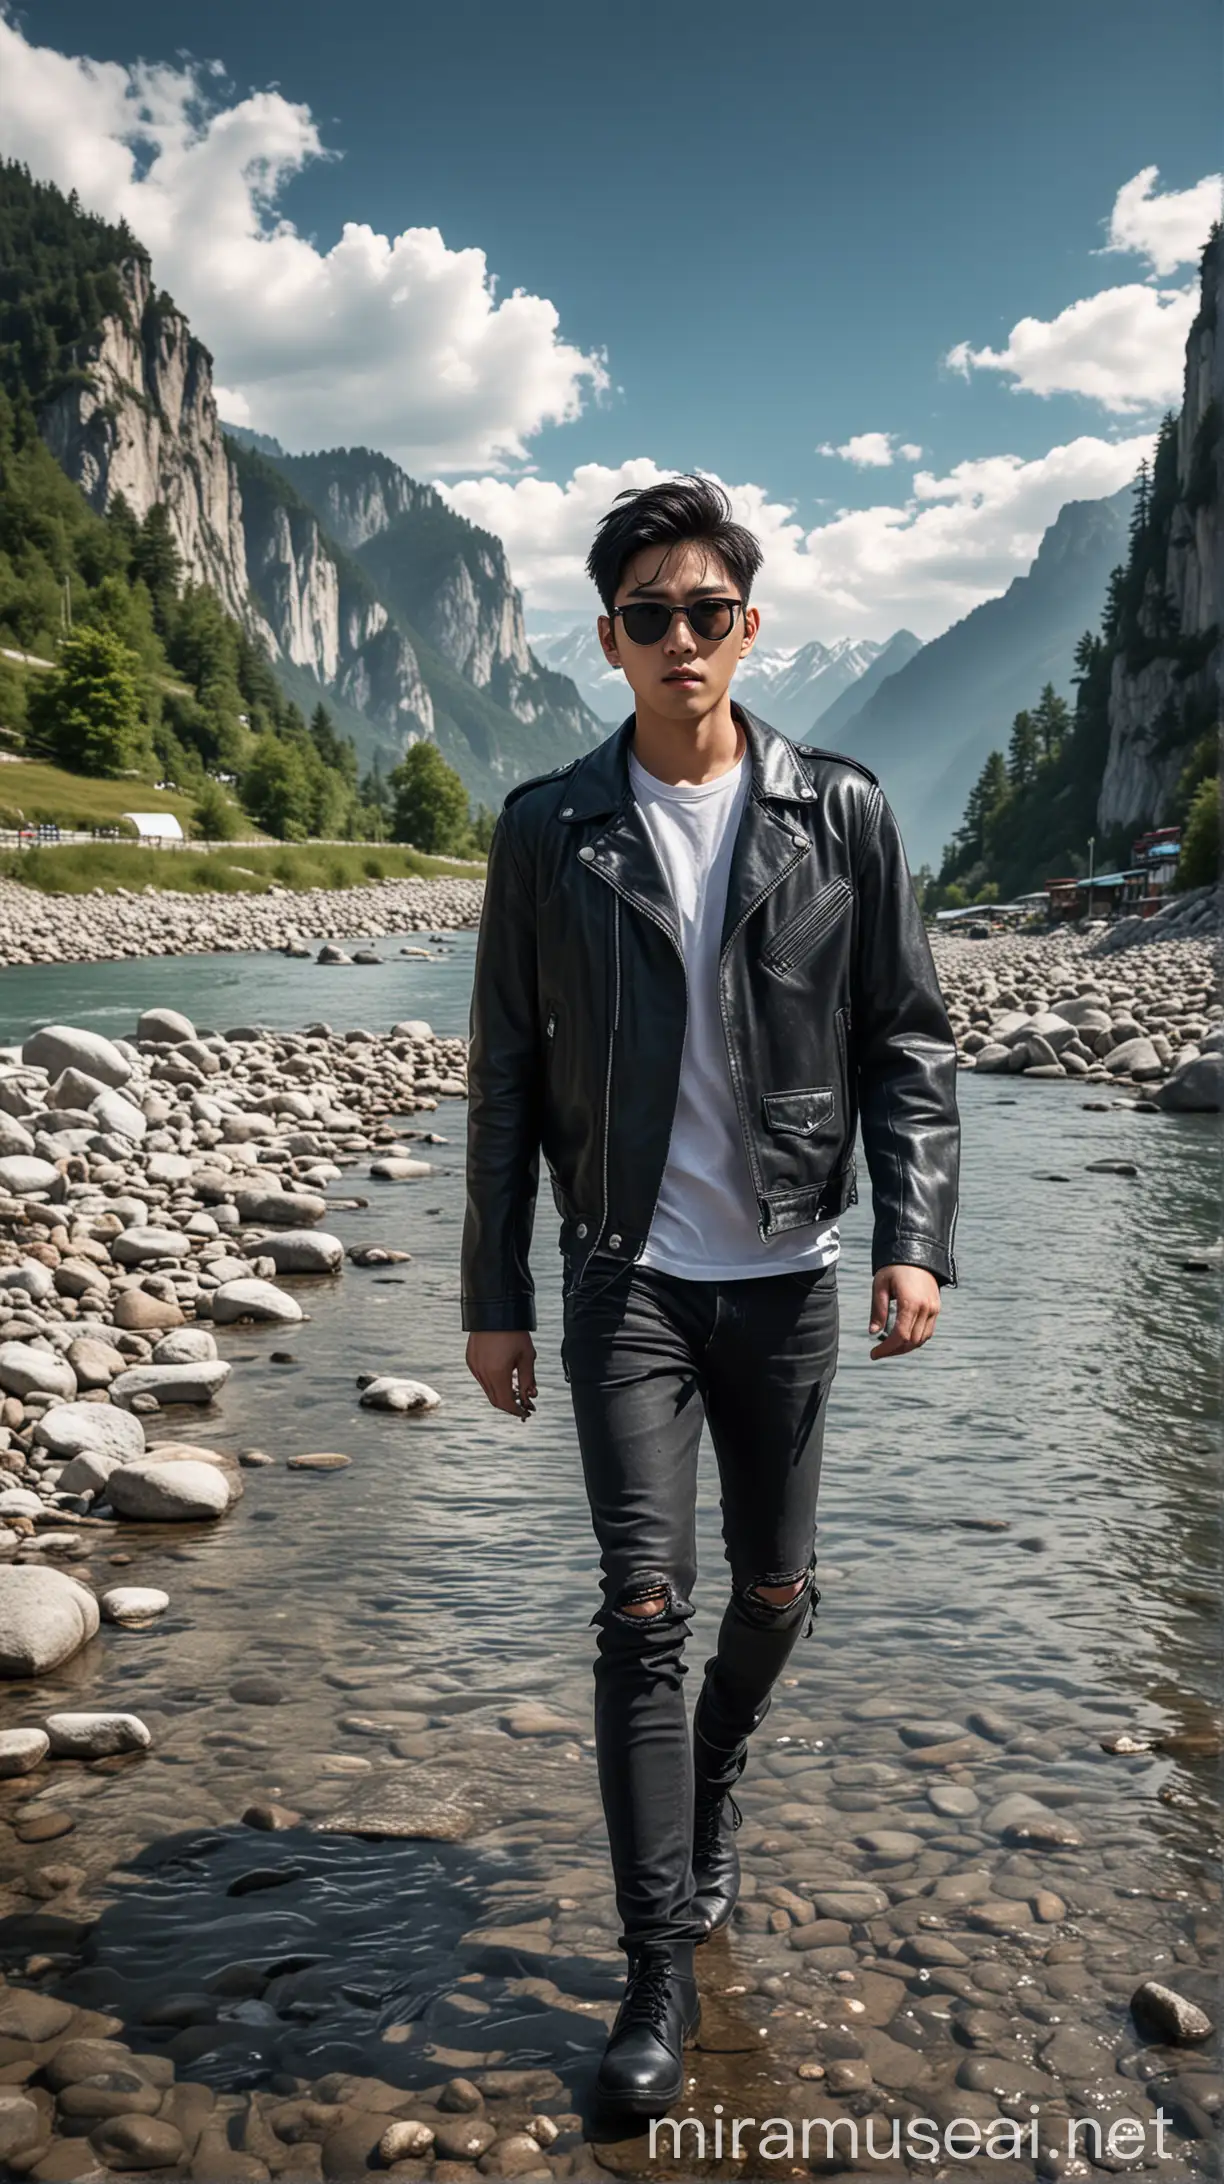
(833, 1015)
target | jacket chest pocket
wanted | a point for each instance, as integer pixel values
(801, 933)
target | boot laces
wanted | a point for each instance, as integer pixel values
(647, 1991)
(707, 1820)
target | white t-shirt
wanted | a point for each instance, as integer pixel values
(705, 1220)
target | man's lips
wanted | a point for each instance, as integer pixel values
(682, 674)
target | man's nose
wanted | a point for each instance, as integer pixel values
(679, 636)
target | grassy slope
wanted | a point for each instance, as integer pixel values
(74, 870)
(31, 790)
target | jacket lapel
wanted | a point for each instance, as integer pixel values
(769, 843)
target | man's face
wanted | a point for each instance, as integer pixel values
(683, 676)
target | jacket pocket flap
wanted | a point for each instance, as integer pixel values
(801, 932)
(800, 1113)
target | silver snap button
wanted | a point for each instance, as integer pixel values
(586, 853)
(614, 1243)
(568, 812)
(582, 1228)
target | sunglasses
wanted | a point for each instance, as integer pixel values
(647, 621)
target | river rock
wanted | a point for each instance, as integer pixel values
(137, 1311)
(1197, 1088)
(20, 1501)
(23, 1176)
(73, 1429)
(89, 1472)
(73, 1089)
(60, 1047)
(133, 1603)
(168, 1493)
(279, 1209)
(1169, 2014)
(1135, 1058)
(118, 1116)
(45, 1617)
(392, 1394)
(330, 953)
(195, 1383)
(95, 1736)
(94, 1362)
(186, 1346)
(137, 1246)
(37, 1280)
(254, 1300)
(164, 1027)
(14, 1137)
(399, 1168)
(21, 1751)
(27, 1370)
(304, 1251)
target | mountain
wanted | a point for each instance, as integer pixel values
(899, 650)
(928, 729)
(1165, 674)
(790, 687)
(406, 614)
(119, 385)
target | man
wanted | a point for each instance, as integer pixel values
(701, 966)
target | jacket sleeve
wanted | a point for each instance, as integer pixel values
(504, 1102)
(906, 1060)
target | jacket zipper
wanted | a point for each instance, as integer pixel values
(804, 935)
(763, 1224)
(607, 1129)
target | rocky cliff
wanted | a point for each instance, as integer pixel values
(138, 417)
(322, 613)
(1164, 688)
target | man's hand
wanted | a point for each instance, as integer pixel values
(504, 1364)
(917, 1293)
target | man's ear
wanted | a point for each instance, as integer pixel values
(606, 630)
(752, 623)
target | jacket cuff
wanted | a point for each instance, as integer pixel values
(911, 1249)
(499, 1315)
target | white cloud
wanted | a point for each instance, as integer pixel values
(396, 341)
(1169, 227)
(925, 561)
(871, 450)
(1123, 347)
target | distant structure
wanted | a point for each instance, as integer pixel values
(155, 826)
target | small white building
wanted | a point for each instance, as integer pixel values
(156, 826)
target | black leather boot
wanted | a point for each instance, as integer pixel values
(642, 2071)
(716, 1866)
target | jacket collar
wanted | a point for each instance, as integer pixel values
(599, 784)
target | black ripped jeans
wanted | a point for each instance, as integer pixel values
(649, 1359)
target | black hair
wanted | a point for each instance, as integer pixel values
(677, 511)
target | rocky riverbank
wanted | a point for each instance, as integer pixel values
(109, 927)
(1146, 1017)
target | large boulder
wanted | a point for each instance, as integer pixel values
(186, 1346)
(253, 1300)
(1135, 1058)
(1197, 1088)
(169, 1492)
(118, 1117)
(95, 1736)
(89, 1472)
(164, 1027)
(31, 1275)
(14, 1137)
(27, 1370)
(279, 1209)
(60, 1047)
(139, 1246)
(23, 1174)
(391, 1393)
(45, 1617)
(73, 1429)
(303, 1251)
(195, 1383)
(73, 1089)
(138, 1312)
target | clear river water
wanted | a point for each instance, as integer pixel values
(1023, 1518)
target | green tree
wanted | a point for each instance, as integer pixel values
(87, 712)
(158, 562)
(1022, 751)
(431, 803)
(212, 817)
(483, 823)
(1052, 722)
(276, 789)
(1199, 862)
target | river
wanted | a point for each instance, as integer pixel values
(1022, 1518)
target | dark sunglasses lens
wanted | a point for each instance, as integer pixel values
(712, 617)
(646, 622)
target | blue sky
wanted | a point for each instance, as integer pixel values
(761, 232)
